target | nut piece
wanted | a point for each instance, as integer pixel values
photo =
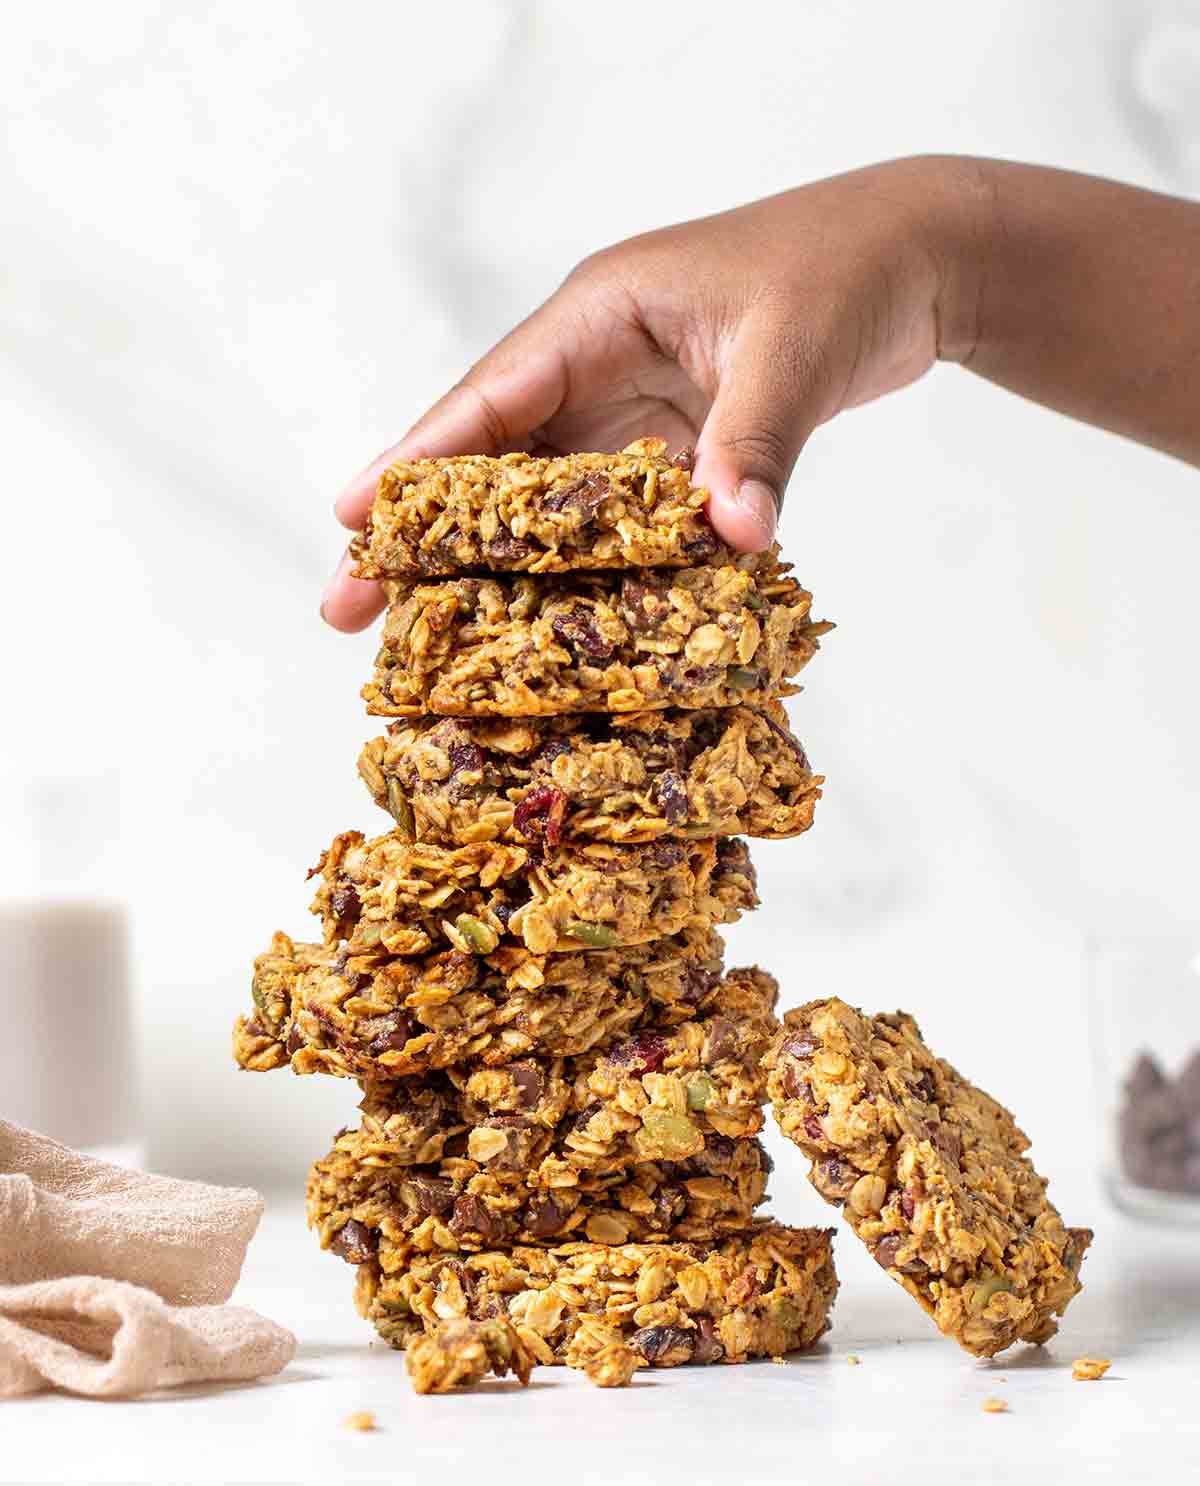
(1090, 1369)
(612, 1366)
(995, 1406)
(595, 935)
(363, 1421)
(868, 1195)
(460, 1353)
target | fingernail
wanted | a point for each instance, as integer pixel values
(339, 573)
(758, 501)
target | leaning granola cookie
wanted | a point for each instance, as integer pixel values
(458, 1354)
(658, 1096)
(320, 1009)
(761, 1293)
(517, 513)
(407, 898)
(452, 781)
(461, 1204)
(528, 647)
(930, 1171)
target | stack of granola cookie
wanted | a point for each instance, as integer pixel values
(561, 1084)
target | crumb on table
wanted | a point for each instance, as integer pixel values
(1090, 1369)
(853, 1359)
(995, 1406)
(613, 1366)
(363, 1420)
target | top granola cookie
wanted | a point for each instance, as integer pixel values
(931, 1171)
(574, 512)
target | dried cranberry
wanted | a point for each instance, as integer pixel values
(295, 1040)
(670, 1204)
(908, 1202)
(354, 1242)
(585, 495)
(802, 1046)
(578, 630)
(465, 758)
(796, 1087)
(833, 1179)
(671, 796)
(541, 814)
(685, 458)
(812, 1128)
(642, 1054)
(923, 1087)
(344, 900)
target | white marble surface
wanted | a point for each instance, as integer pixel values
(910, 1412)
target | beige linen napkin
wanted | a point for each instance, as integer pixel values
(111, 1281)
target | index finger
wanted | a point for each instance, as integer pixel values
(517, 386)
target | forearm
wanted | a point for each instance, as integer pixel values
(1080, 294)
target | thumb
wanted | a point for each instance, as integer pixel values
(766, 406)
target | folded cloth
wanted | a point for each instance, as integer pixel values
(111, 1280)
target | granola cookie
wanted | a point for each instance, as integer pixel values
(625, 779)
(321, 1009)
(459, 1354)
(517, 513)
(457, 1203)
(657, 1096)
(761, 1293)
(528, 647)
(407, 898)
(930, 1172)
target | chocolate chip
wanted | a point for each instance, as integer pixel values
(908, 1202)
(529, 1083)
(431, 1194)
(720, 1042)
(540, 815)
(698, 985)
(703, 544)
(295, 1040)
(578, 629)
(388, 1033)
(663, 854)
(812, 1128)
(472, 1216)
(800, 1046)
(885, 1250)
(833, 1179)
(795, 1086)
(923, 1086)
(544, 1217)
(354, 1242)
(550, 750)
(669, 794)
(585, 495)
(655, 1343)
(504, 547)
(637, 613)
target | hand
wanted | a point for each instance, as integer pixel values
(738, 334)
(742, 333)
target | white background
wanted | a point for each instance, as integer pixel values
(244, 245)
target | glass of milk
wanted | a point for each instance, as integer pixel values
(68, 1061)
